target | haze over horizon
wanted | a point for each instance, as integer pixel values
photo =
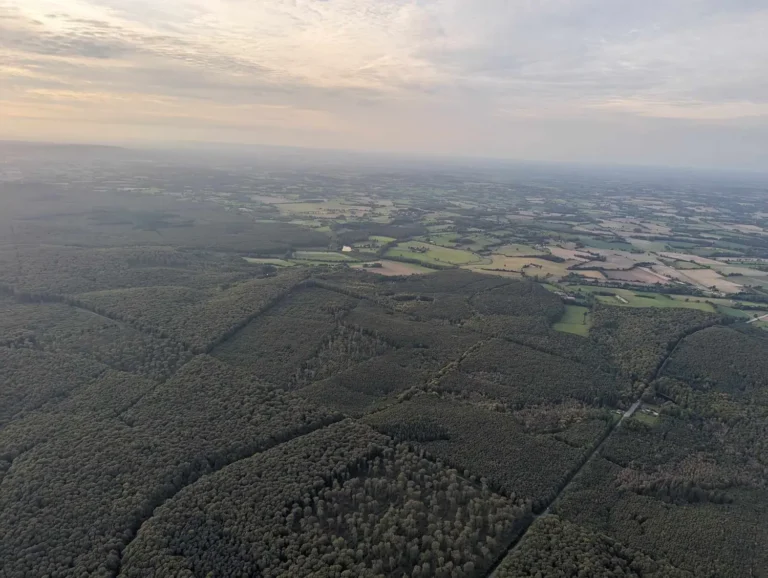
(663, 83)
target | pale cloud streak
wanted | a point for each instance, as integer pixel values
(531, 79)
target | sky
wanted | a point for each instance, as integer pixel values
(666, 82)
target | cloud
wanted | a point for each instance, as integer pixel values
(389, 73)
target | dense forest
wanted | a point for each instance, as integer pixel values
(192, 431)
(169, 408)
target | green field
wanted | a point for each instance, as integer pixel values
(432, 253)
(645, 418)
(394, 268)
(471, 241)
(447, 239)
(627, 298)
(381, 239)
(602, 244)
(744, 314)
(656, 246)
(275, 262)
(576, 320)
(652, 300)
(324, 256)
(437, 228)
(687, 265)
(518, 250)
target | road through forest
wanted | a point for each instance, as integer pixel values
(595, 451)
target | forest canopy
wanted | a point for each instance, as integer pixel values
(269, 371)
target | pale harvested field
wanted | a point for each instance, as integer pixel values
(743, 228)
(736, 260)
(635, 276)
(689, 257)
(710, 278)
(753, 281)
(591, 274)
(670, 273)
(569, 254)
(621, 225)
(746, 271)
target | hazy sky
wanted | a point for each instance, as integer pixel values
(647, 81)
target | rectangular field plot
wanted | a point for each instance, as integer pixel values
(393, 268)
(575, 320)
(433, 253)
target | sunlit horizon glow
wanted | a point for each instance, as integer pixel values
(680, 83)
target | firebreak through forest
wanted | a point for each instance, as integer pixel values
(178, 412)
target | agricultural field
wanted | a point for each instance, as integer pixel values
(629, 298)
(323, 256)
(707, 278)
(269, 261)
(641, 275)
(330, 209)
(470, 241)
(518, 250)
(566, 253)
(434, 254)
(528, 266)
(392, 268)
(575, 320)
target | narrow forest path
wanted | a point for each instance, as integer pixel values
(591, 456)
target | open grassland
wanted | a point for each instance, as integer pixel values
(728, 307)
(530, 266)
(621, 260)
(428, 253)
(372, 244)
(630, 299)
(446, 239)
(575, 320)
(591, 274)
(598, 243)
(718, 302)
(518, 250)
(327, 209)
(472, 241)
(381, 239)
(477, 241)
(646, 245)
(645, 418)
(267, 261)
(568, 253)
(737, 270)
(627, 298)
(394, 268)
(686, 265)
(637, 275)
(323, 256)
(705, 261)
(707, 278)
(760, 282)
(743, 314)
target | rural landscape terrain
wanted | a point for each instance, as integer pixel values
(285, 365)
